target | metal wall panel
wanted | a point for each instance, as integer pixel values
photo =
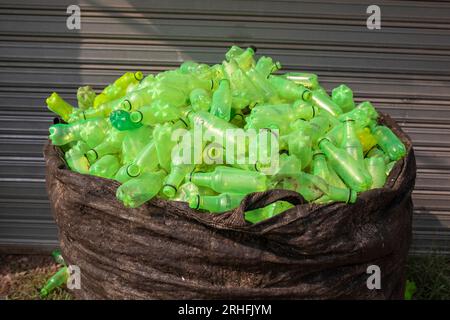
(404, 69)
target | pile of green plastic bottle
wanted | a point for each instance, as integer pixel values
(329, 148)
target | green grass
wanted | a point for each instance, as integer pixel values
(431, 275)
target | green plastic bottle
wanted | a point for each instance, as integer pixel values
(375, 152)
(137, 191)
(389, 142)
(227, 179)
(300, 145)
(349, 170)
(389, 167)
(59, 106)
(266, 66)
(245, 60)
(146, 161)
(175, 178)
(57, 280)
(133, 142)
(76, 158)
(233, 53)
(289, 165)
(323, 101)
(269, 93)
(57, 256)
(157, 112)
(85, 97)
(308, 80)
(220, 203)
(120, 119)
(137, 99)
(377, 169)
(364, 114)
(92, 131)
(105, 167)
(258, 215)
(321, 169)
(111, 145)
(221, 101)
(343, 97)
(350, 141)
(200, 100)
(288, 90)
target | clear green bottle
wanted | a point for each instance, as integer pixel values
(364, 114)
(111, 145)
(288, 90)
(375, 152)
(227, 179)
(134, 141)
(221, 101)
(258, 215)
(85, 97)
(308, 80)
(245, 60)
(266, 66)
(324, 102)
(313, 187)
(120, 119)
(343, 97)
(175, 178)
(289, 165)
(137, 99)
(76, 159)
(389, 167)
(377, 169)
(59, 106)
(57, 280)
(200, 100)
(220, 203)
(137, 191)
(105, 167)
(157, 112)
(233, 52)
(92, 131)
(300, 145)
(349, 170)
(321, 169)
(269, 93)
(350, 141)
(162, 136)
(146, 161)
(389, 142)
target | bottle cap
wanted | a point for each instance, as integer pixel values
(138, 75)
(136, 116)
(169, 190)
(133, 170)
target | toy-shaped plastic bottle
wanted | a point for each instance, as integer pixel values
(85, 97)
(56, 281)
(135, 141)
(91, 131)
(76, 159)
(157, 112)
(59, 106)
(377, 169)
(120, 119)
(324, 102)
(220, 203)
(321, 169)
(105, 167)
(221, 101)
(343, 97)
(308, 80)
(349, 170)
(350, 141)
(266, 66)
(111, 145)
(389, 142)
(200, 99)
(146, 161)
(137, 191)
(226, 179)
(288, 90)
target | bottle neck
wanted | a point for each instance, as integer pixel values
(201, 179)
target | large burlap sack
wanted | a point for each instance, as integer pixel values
(165, 250)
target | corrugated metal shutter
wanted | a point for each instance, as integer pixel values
(404, 68)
